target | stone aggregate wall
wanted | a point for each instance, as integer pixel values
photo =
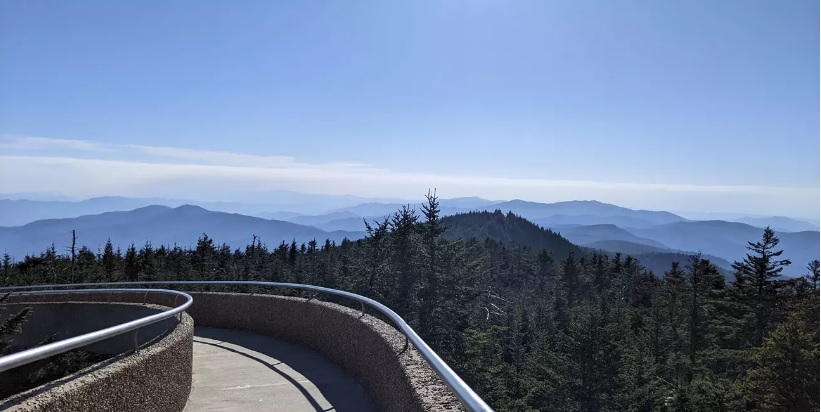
(157, 377)
(370, 350)
(63, 320)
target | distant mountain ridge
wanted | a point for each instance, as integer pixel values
(15, 212)
(780, 223)
(728, 240)
(589, 224)
(558, 221)
(284, 205)
(538, 211)
(584, 235)
(159, 225)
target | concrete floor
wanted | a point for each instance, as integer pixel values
(241, 371)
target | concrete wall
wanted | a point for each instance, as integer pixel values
(155, 378)
(367, 348)
(68, 319)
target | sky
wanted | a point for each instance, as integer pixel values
(701, 106)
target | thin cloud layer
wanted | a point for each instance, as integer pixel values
(79, 168)
(10, 142)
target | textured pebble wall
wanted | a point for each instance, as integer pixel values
(367, 348)
(155, 378)
(370, 350)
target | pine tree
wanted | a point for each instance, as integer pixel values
(702, 278)
(814, 269)
(147, 261)
(755, 279)
(86, 264)
(431, 230)
(404, 258)
(806, 298)
(673, 299)
(204, 257)
(600, 280)
(109, 260)
(292, 253)
(132, 268)
(7, 266)
(785, 376)
(598, 338)
(569, 286)
(375, 258)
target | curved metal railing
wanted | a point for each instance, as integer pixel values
(463, 392)
(55, 348)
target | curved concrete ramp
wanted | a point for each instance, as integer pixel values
(241, 371)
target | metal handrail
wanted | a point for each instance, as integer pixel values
(41, 352)
(463, 392)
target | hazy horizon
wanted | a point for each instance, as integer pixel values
(701, 106)
(269, 198)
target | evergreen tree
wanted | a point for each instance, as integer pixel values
(673, 300)
(132, 268)
(702, 277)
(109, 260)
(431, 230)
(755, 279)
(405, 252)
(147, 264)
(598, 338)
(292, 253)
(7, 266)
(814, 269)
(376, 257)
(785, 376)
(569, 285)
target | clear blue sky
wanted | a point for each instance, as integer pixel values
(696, 93)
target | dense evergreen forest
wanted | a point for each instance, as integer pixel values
(535, 323)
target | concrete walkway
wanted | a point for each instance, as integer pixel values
(241, 371)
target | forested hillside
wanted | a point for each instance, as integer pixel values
(552, 329)
(507, 229)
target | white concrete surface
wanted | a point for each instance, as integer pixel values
(241, 371)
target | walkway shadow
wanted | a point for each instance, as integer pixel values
(338, 389)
